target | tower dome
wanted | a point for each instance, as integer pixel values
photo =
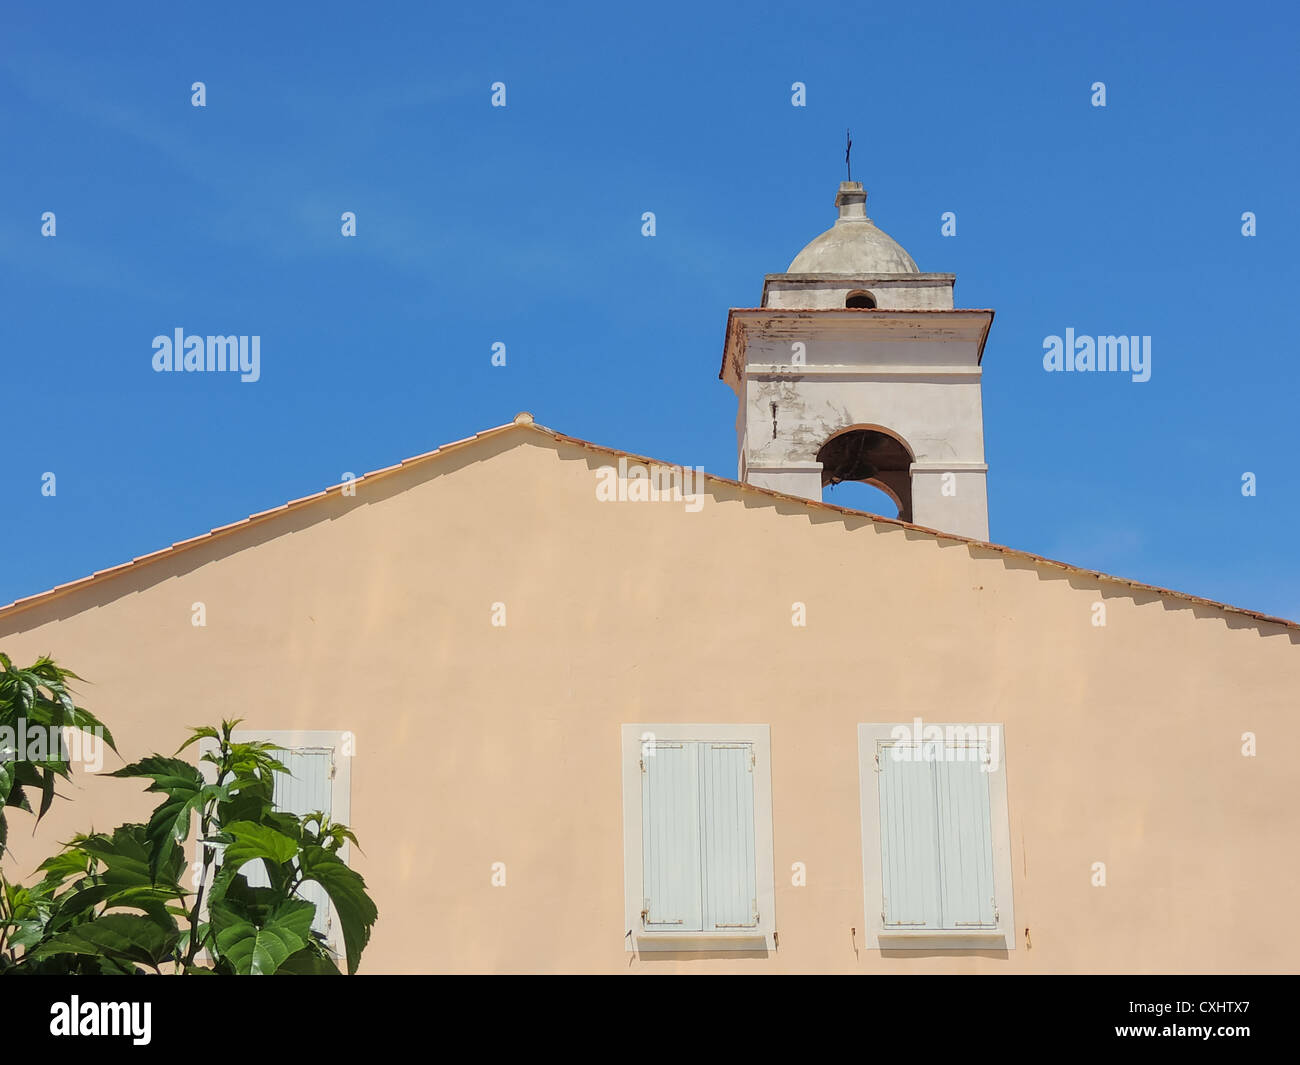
(853, 245)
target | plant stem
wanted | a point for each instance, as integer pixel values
(209, 854)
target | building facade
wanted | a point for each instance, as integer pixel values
(587, 713)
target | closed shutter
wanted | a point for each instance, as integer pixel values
(308, 787)
(909, 844)
(670, 837)
(730, 888)
(965, 839)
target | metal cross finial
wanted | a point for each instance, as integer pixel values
(848, 148)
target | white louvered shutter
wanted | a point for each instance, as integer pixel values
(670, 837)
(909, 844)
(727, 799)
(965, 839)
(306, 788)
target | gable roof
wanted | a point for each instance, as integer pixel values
(523, 423)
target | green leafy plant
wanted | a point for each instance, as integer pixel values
(36, 697)
(116, 902)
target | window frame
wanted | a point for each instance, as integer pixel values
(637, 938)
(340, 791)
(873, 739)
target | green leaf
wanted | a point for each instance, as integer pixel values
(251, 950)
(251, 841)
(255, 903)
(127, 859)
(250, 800)
(26, 932)
(121, 936)
(310, 961)
(196, 734)
(26, 775)
(67, 863)
(186, 792)
(19, 799)
(79, 718)
(47, 794)
(356, 911)
(153, 900)
(168, 774)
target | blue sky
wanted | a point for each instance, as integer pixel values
(523, 225)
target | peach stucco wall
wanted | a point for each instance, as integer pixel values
(479, 744)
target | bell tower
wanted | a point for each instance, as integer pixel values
(857, 367)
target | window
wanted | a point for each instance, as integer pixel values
(697, 819)
(860, 299)
(319, 779)
(936, 854)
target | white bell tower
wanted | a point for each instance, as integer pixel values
(857, 368)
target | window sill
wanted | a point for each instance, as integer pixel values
(747, 939)
(943, 939)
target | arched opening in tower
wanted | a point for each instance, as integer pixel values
(872, 457)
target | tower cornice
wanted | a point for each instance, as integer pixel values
(962, 331)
